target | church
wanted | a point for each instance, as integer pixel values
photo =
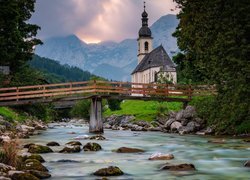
(153, 64)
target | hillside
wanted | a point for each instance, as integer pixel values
(109, 59)
(55, 72)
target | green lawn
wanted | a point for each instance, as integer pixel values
(143, 110)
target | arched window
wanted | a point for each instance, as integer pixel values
(146, 46)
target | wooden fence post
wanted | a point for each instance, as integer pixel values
(190, 93)
(17, 93)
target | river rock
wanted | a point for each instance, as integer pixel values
(5, 168)
(143, 124)
(160, 156)
(109, 171)
(97, 137)
(38, 149)
(175, 126)
(28, 145)
(53, 143)
(180, 167)
(92, 147)
(167, 125)
(36, 157)
(67, 161)
(155, 129)
(179, 115)
(4, 178)
(74, 143)
(129, 150)
(247, 164)
(39, 174)
(189, 112)
(20, 175)
(73, 149)
(246, 140)
(33, 164)
(5, 138)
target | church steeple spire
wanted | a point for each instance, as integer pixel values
(144, 16)
(144, 31)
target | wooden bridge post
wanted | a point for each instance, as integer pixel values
(95, 123)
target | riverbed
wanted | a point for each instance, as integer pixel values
(212, 160)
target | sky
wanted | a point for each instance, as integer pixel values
(94, 21)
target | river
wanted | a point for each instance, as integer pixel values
(212, 161)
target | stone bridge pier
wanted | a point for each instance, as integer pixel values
(95, 123)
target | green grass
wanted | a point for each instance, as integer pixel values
(10, 114)
(143, 110)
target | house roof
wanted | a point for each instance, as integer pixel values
(157, 57)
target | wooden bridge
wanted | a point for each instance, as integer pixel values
(66, 94)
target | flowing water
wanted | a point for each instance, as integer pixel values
(212, 161)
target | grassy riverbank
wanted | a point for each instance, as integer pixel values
(144, 110)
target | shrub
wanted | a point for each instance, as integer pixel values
(81, 109)
(9, 153)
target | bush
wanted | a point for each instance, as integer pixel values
(9, 153)
(81, 109)
(162, 109)
(114, 104)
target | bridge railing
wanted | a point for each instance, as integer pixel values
(103, 87)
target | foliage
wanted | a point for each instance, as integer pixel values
(27, 76)
(17, 35)
(11, 115)
(81, 109)
(44, 112)
(53, 70)
(9, 153)
(144, 110)
(214, 38)
(114, 104)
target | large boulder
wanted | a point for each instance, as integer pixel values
(175, 126)
(74, 143)
(160, 156)
(92, 147)
(33, 156)
(129, 150)
(28, 145)
(143, 124)
(179, 167)
(53, 143)
(39, 174)
(179, 115)
(167, 125)
(33, 164)
(109, 171)
(38, 149)
(20, 175)
(189, 112)
(73, 149)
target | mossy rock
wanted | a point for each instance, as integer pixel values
(28, 145)
(23, 176)
(40, 174)
(74, 143)
(37, 157)
(92, 147)
(53, 143)
(73, 149)
(129, 150)
(33, 164)
(97, 137)
(109, 171)
(39, 149)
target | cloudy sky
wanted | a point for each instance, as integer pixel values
(96, 20)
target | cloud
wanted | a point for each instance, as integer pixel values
(96, 20)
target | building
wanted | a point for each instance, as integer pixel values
(153, 64)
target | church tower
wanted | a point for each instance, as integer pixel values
(145, 44)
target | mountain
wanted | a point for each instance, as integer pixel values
(108, 59)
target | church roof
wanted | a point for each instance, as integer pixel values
(157, 57)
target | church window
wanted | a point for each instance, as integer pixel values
(146, 46)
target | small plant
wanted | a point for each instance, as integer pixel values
(9, 153)
(162, 109)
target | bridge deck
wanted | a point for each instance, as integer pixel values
(74, 91)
